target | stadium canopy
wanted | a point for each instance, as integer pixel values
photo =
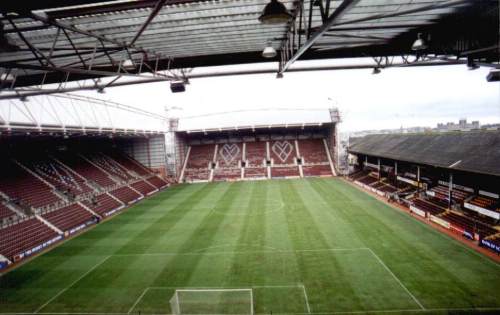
(56, 41)
(476, 151)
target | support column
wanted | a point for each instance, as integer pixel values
(268, 157)
(418, 178)
(379, 169)
(214, 161)
(297, 152)
(450, 190)
(181, 176)
(396, 173)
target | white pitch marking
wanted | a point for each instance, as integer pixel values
(318, 313)
(138, 299)
(244, 252)
(307, 300)
(72, 284)
(397, 279)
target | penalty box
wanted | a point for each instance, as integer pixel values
(214, 300)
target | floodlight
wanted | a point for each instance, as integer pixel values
(493, 76)
(471, 64)
(128, 64)
(376, 70)
(275, 12)
(6, 77)
(419, 44)
(177, 87)
(269, 51)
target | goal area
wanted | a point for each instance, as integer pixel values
(212, 301)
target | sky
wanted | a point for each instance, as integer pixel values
(397, 97)
(419, 96)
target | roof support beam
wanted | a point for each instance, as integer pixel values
(150, 18)
(28, 93)
(343, 8)
(338, 13)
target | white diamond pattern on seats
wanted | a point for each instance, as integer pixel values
(282, 149)
(229, 152)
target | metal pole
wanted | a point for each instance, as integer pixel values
(450, 190)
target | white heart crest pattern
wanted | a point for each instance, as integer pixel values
(282, 149)
(229, 152)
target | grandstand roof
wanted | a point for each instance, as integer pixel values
(476, 151)
(52, 41)
(302, 127)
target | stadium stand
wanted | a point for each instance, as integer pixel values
(86, 169)
(486, 203)
(5, 212)
(228, 160)
(469, 224)
(102, 204)
(23, 236)
(283, 154)
(430, 164)
(427, 206)
(132, 166)
(314, 158)
(110, 166)
(144, 187)
(157, 182)
(125, 194)
(62, 178)
(25, 189)
(68, 217)
(428, 148)
(256, 154)
(63, 191)
(198, 164)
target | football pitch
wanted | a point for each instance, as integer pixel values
(300, 246)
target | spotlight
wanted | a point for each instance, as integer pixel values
(471, 64)
(419, 44)
(6, 77)
(269, 51)
(493, 76)
(24, 99)
(275, 12)
(177, 87)
(128, 64)
(376, 70)
(101, 91)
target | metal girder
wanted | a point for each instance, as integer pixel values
(338, 13)
(29, 93)
(150, 18)
(332, 24)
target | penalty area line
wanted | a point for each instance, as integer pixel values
(138, 300)
(397, 279)
(72, 284)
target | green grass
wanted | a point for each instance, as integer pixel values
(286, 239)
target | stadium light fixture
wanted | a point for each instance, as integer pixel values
(419, 44)
(275, 12)
(24, 99)
(128, 64)
(101, 91)
(269, 51)
(177, 87)
(471, 64)
(376, 70)
(493, 76)
(6, 77)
